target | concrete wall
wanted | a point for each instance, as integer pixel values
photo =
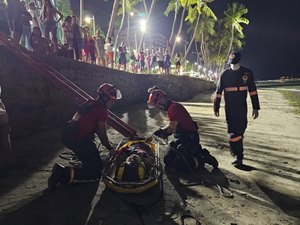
(34, 103)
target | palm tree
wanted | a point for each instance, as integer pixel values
(233, 20)
(195, 10)
(184, 4)
(121, 25)
(204, 34)
(129, 8)
(112, 18)
(147, 22)
(172, 6)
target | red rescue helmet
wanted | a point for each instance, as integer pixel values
(110, 91)
(154, 97)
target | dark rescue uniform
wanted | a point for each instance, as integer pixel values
(235, 85)
(185, 145)
(78, 135)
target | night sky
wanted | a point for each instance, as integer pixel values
(272, 37)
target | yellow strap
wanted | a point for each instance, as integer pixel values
(72, 174)
(120, 171)
(141, 171)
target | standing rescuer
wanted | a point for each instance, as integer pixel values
(236, 81)
(78, 135)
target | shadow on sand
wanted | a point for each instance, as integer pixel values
(145, 208)
(287, 203)
(245, 167)
(67, 205)
(181, 181)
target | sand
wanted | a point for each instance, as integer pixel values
(265, 191)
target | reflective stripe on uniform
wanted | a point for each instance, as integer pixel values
(253, 93)
(231, 89)
(218, 95)
(244, 88)
(235, 139)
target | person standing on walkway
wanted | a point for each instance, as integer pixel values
(109, 53)
(236, 81)
(78, 135)
(48, 17)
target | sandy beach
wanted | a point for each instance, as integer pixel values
(265, 191)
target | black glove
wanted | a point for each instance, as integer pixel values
(160, 133)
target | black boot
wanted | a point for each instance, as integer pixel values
(59, 176)
(206, 157)
(238, 161)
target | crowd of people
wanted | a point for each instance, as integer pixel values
(37, 30)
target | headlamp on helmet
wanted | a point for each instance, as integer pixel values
(110, 91)
(154, 98)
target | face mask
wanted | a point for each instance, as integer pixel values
(234, 58)
(235, 67)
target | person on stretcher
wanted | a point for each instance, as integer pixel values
(134, 162)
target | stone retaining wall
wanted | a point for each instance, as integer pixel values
(34, 103)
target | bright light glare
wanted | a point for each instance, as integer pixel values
(131, 13)
(88, 20)
(143, 25)
(178, 38)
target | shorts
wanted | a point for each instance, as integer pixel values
(122, 60)
(109, 56)
(50, 25)
(160, 64)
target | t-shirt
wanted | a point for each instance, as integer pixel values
(88, 122)
(108, 47)
(176, 112)
(34, 16)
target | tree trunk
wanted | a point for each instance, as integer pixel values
(193, 38)
(174, 21)
(112, 19)
(145, 7)
(219, 61)
(148, 17)
(231, 41)
(128, 26)
(179, 30)
(121, 26)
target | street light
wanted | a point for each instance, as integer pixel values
(88, 20)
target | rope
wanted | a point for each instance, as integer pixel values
(223, 191)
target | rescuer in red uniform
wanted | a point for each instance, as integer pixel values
(78, 135)
(236, 81)
(184, 153)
